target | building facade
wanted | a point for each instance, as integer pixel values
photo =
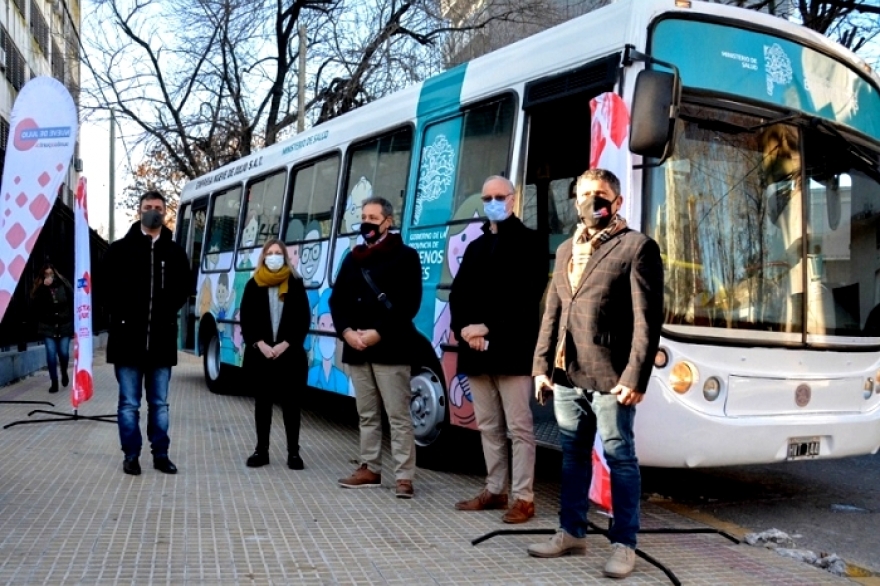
(39, 37)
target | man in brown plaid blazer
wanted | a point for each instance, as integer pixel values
(599, 335)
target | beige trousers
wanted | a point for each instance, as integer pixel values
(501, 405)
(388, 384)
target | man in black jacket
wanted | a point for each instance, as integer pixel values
(147, 280)
(375, 298)
(495, 304)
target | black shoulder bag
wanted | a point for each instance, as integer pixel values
(383, 299)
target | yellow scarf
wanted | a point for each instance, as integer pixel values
(266, 278)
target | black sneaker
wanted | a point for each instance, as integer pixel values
(64, 379)
(294, 462)
(163, 464)
(54, 387)
(258, 459)
(130, 465)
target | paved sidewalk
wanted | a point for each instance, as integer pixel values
(68, 515)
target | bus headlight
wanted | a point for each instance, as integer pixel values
(682, 377)
(712, 388)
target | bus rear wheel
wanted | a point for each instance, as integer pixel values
(214, 370)
(427, 407)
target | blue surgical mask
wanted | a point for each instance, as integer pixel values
(496, 211)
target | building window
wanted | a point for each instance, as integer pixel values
(57, 63)
(15, 65)
(39, 28)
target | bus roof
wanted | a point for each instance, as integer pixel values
(553, 50)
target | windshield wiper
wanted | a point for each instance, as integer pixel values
(856, 150)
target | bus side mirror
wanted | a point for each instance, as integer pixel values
(654, 110)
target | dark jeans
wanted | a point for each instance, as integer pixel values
(276, 383)
(57, 350)
(579, 419)
(132, 380)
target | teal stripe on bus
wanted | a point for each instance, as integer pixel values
(442, 92)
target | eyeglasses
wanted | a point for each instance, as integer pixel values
(497, 197)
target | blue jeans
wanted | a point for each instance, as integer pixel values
(57, 349)
(579, 415)
(132, 380)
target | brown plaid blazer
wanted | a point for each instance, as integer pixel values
(611, 324)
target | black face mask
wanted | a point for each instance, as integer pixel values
(370, 232)
(595, 212)
(151, 219)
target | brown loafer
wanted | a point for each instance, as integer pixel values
(483, 501)
(520, 512)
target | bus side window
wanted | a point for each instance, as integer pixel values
(458, 155)
(307, 228)
(262, 216)
(222, 229)
(378, 167)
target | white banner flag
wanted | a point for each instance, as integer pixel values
(41, 141)
(82, 301)
(609, 150)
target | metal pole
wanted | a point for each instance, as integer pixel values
(112, 182)
(301, 90)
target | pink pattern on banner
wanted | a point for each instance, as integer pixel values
(82, 302)
(43, 128)
(609, 140)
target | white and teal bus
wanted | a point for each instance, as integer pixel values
(751, 156)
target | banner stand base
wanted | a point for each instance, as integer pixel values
(75, 416)
(595, 530)
(6, 401)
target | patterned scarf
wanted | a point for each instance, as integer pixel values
(266, 278)
(583, 246)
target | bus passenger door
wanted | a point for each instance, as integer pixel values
(191, 235)
(557, 152)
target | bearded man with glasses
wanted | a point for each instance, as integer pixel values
(495, 307)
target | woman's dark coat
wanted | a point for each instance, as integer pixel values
(256, 325)
(54, 310)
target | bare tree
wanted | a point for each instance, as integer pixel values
(208, 81)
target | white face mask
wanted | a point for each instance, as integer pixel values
(274, 261)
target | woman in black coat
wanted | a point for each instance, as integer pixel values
(53, 302)
(275, 319)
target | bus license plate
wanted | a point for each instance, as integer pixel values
(800, 448)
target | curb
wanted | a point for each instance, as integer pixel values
(854, 573)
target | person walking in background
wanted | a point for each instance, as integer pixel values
(595, 353)
(147, 281)
(53, 304)
(275, 319)
(374, 301)
(495, 305)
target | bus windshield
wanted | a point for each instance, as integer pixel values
(769, 231)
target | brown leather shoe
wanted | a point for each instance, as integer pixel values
(362, 478)
(520, 512)
(483, 501)
(404, 489)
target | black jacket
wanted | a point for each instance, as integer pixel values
(500, 283)
(145, 285)
(256, 325)
(397, 272)
(54, 310)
